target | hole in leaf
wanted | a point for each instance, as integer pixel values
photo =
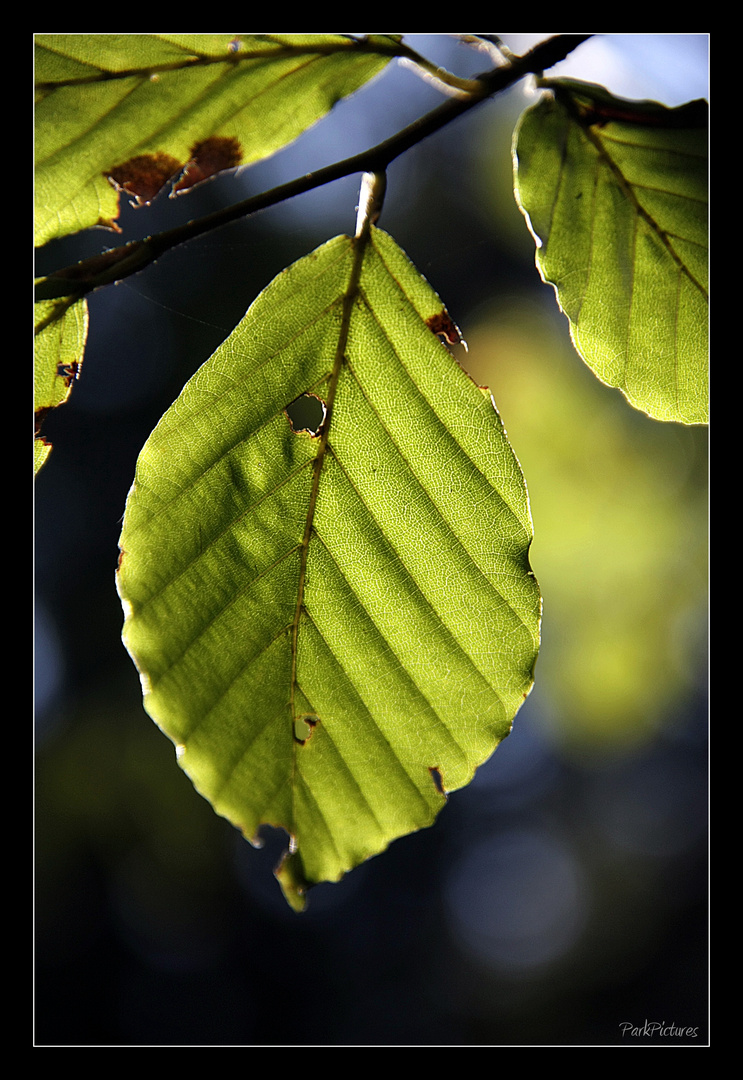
(306, 413)
(303, 727)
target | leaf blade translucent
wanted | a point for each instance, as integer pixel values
(108, 99)
(618, 208)
(417, 624)
(61, 331)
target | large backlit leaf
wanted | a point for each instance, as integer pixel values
(129, 112)
(335, 624)
(615, 193)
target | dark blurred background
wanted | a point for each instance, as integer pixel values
(560, 896)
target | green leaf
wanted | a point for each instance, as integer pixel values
(61, 330)
(334, 618)
(615, 194)
(130, 112)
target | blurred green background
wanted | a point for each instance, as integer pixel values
(564, 892)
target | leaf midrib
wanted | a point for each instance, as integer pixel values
(629, 190)
(358, 247)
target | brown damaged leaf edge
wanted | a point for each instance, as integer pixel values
(438, 781)
(143, 177)
(69, 372)
(444, 326)
(214, 155)
(39, 416)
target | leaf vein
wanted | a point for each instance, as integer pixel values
(367, 710)
(204, 548)
(398, 661)
(346, 766)
(207, 624)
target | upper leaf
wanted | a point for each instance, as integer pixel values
(130, 112)
(615, 194)
(334, 618)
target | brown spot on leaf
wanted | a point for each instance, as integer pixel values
(69, 372)
(212, 156)
(144, 176)
(437, 779)
(444, 326)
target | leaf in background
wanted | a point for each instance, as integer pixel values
(334, 618)
(615, 194)
(61, 329)
(130, 112)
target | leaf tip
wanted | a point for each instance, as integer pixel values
(290, 876)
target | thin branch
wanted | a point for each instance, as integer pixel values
(121, 262)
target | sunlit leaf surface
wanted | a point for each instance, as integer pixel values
(615, 193)
(325, 568)
(132, 112)
(61, 330)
